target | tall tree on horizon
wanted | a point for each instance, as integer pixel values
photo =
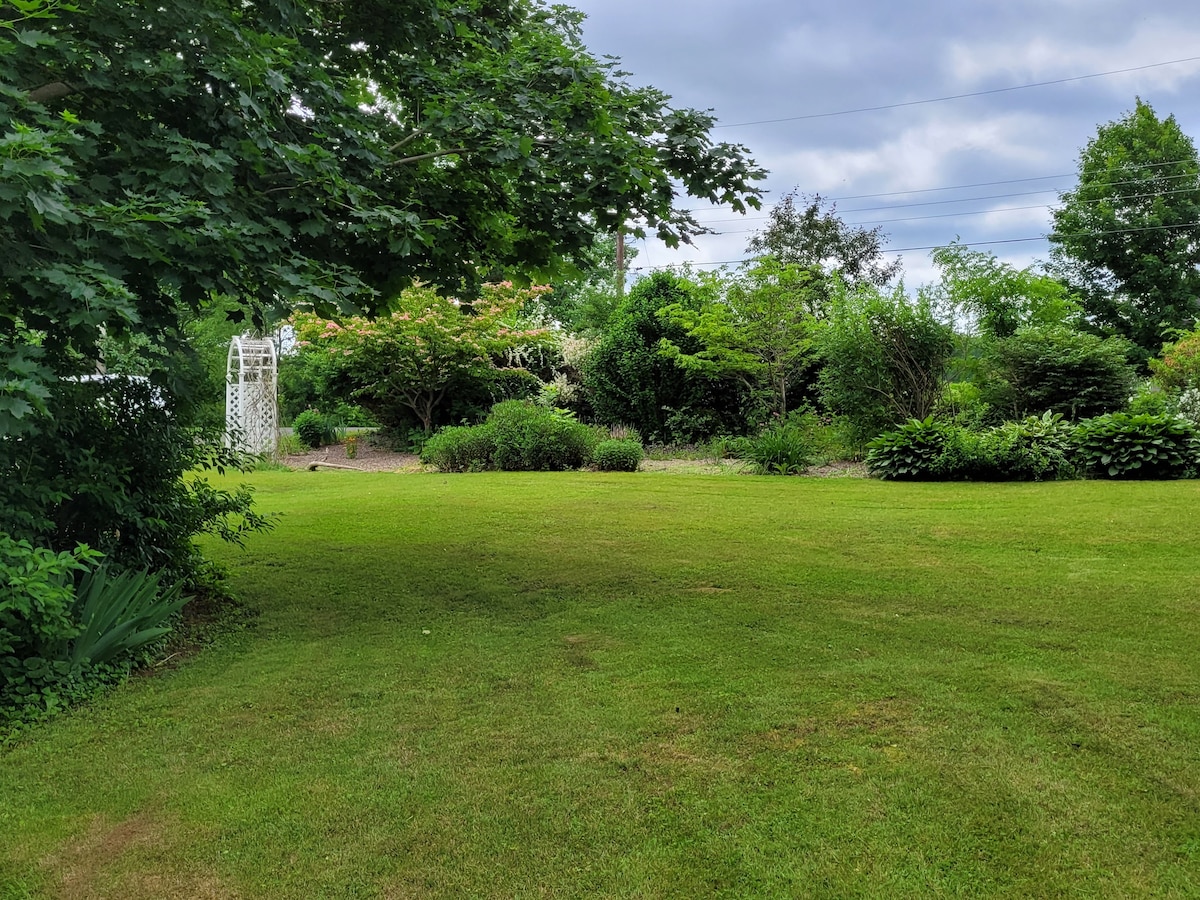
(1127, 238)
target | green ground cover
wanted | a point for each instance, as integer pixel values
(569, 685)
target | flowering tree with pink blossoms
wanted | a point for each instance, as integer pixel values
(409, 363)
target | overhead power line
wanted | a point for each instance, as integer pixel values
(897, 206)
(1002, 90)
(1021, 240)
(1132, 167)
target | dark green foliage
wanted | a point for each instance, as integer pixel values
(1036, 449)
(617, 456)
(909, 453)
(531, 438)
(630, 382)
(315, 429)
(36, 599)
(309, 381)
(66, 628)
(1057, 369)
(299, 150)
(106, 469)
(460, 448)
(1128, 236)
(783, 448)
(1121, 445)
(119, 614)
(1118, 445)
(883, 357)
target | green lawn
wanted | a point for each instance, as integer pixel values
(580, 685)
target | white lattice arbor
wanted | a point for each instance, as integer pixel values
(251, 410)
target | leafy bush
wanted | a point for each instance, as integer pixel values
(911, 452)
(962, 403)
(883, 357)
(1121, 445)
(56, 637)
(782, 449)
(517, 436)
(1179, 367)
(1036, 449)
(431, 357)
(1057, 369)
(37, 593)
(618, 456)
(629, 381)
(529, 438)
(106, 469)
(314, 429)
(460, 448)
(1151, 400)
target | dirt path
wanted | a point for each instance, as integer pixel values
(374, 459)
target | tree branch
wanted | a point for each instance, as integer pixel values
(55, 90)
(435, 153)
(405, 141)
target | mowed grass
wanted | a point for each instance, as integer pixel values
(581, 685)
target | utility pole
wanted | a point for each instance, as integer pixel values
(621, 260)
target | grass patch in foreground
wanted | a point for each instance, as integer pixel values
(629, 685)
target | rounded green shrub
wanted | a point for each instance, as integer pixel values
(314, 429)
(532, 438)
(1121, 445)
(911, 452)
(617, 456)
(460, 448)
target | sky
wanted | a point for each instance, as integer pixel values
(984, 169)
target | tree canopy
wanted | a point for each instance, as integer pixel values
(1128, 235)
(998, 297)
(302, 150)
(811, 234)
(756, 332)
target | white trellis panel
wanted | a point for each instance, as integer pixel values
(251, 410)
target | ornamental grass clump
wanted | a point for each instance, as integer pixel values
(782, 449)
(314, 429)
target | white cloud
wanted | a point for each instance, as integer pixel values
(920, 155)
(1010, 61)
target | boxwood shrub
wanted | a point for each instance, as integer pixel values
(617, 456)
(517, 436)
(460, 448)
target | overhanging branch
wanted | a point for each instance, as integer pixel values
(432, 155)
(48, 93)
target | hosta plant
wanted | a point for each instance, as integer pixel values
(1121, 445)
(911, 452)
